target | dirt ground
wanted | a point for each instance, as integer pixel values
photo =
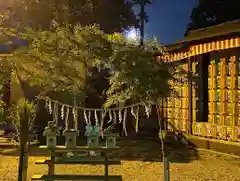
(141, 161)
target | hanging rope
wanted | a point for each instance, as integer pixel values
(89, 109)
(121, 115)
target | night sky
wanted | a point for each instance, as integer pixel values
(168, 19)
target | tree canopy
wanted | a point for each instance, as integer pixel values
(53, 59)
(208, 13)
(137, 75)
(112, 16)
(56, 59)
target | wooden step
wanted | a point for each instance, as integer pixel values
(91, 161)
(77, 177)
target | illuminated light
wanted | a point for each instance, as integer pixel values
(131, 34)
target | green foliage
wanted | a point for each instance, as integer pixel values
(56, 60)
(137, 75)
(2, 120)
(208, 13)
(17, 112)
(4, 68)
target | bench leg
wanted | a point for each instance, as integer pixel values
(106, 167)
(51, 166)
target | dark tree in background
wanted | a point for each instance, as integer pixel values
(143, 17)
(97, 85)
(110, 15)
(213, 12)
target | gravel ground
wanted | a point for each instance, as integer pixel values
(140, 162)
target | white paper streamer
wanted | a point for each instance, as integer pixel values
(124, 122)
(120, 116)
(46, 103)
(50, 107)
(85, 116)
(96, 117)
(110, 116)
(133, 113)
(62, 112)
(89, 116)
(55, 116)
(147, 110)
(66, 119)
(150, 109)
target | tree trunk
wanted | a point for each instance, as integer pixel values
(142, 25)
(24, 133)
(23, 161)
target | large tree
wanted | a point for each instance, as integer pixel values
(208, 13)
(111, 16)
(55, 61)
(137, 74)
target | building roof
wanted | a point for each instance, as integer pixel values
(226, 29)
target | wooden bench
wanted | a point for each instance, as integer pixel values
(77, 177)
(78, 160)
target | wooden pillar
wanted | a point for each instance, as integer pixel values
(166, 169)
(189, 95)
(233, 90)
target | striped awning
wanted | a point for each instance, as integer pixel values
(201, 49)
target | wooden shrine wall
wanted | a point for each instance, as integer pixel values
(215, 113)
(175, 108)
(224, 97)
